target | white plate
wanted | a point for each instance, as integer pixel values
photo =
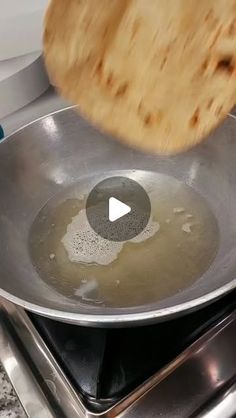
(22, 80)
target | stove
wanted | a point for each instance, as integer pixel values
(185, 367)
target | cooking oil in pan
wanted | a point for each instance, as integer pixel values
(178, 246)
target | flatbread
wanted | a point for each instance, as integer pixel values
(158, 74)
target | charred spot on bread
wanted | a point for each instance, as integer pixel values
(225, 65)
(195, 118)
(122, 89)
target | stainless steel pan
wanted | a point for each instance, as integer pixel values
(49, 155)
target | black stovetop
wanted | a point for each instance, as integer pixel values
(104, 365)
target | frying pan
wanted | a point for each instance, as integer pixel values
(49, 155)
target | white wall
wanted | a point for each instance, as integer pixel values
(21, 26)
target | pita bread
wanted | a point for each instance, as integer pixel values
(159, 75)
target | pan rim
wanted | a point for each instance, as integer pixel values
(119, 320)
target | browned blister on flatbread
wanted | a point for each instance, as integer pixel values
(159, 75)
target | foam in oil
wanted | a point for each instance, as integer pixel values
(175, 249)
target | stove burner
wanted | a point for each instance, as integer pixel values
(107, 364)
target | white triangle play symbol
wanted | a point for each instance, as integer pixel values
(117, 209)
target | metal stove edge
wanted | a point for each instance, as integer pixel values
(200, 382)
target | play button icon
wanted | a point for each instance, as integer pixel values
(118, 208)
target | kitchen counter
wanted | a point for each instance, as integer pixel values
(10, 407)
